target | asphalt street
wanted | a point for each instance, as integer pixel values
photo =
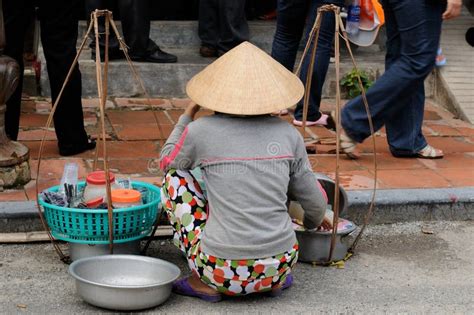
(397, 269)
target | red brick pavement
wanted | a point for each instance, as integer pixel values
(135, 141)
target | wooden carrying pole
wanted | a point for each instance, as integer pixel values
(313, 40)
(102, 84)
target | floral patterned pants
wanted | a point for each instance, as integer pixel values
(186, 207)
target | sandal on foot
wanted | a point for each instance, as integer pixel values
(429, 152)
(347, 145)
(183, 287)
(282, 112)
(324, 120)
(288, 283)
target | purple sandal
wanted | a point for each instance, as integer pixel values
(286, 285)
(183, 287)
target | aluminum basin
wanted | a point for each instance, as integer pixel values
(124, 282)
(330, 186)
(314, 246)
(78, 251)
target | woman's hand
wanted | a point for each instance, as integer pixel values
(326, 224)
(192, 109)
(453, 9)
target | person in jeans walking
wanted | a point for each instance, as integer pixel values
(222, 26)
(397, 99)
(292, 16)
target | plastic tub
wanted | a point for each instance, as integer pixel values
(96, 186)
(126, 198)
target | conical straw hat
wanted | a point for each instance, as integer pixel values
(245, 81)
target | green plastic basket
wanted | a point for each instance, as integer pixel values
(90, 226)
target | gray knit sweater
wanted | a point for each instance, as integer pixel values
(251, 166)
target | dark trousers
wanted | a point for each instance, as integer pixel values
(135, 17)
(292, 16)
(59, 24)
(222, 23)
(397, 99)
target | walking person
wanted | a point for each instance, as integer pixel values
(222, 26)
(59, 28)
(135, 18)
(397, 99)
(293, 17)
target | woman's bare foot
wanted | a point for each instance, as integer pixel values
(200, 286)
(192, 286)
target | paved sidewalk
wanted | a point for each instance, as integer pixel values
(458, 73)
(134, 145)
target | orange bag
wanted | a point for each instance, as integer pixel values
(371, 19)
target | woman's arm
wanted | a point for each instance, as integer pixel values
(179, 150)
(304, 188)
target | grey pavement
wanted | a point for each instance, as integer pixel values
(397, 269)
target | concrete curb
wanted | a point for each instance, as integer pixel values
(443, 94)
(405, 205)
(392, 206)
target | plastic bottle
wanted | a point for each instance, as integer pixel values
(70, 175)
(96, 186)
(68, 185)
(353, 18)
(126, 198)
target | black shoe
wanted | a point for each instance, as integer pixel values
(158, 56)
(73, 149)
(208, 51)
(331, 124)
(113, 55)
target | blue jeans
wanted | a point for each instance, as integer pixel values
(292, 15)
(397, 99)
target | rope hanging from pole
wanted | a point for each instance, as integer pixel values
(102, 84)
(313, 40)
(102, 87)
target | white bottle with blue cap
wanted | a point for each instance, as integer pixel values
(353, 18)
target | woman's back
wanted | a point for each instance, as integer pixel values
(248, 164)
